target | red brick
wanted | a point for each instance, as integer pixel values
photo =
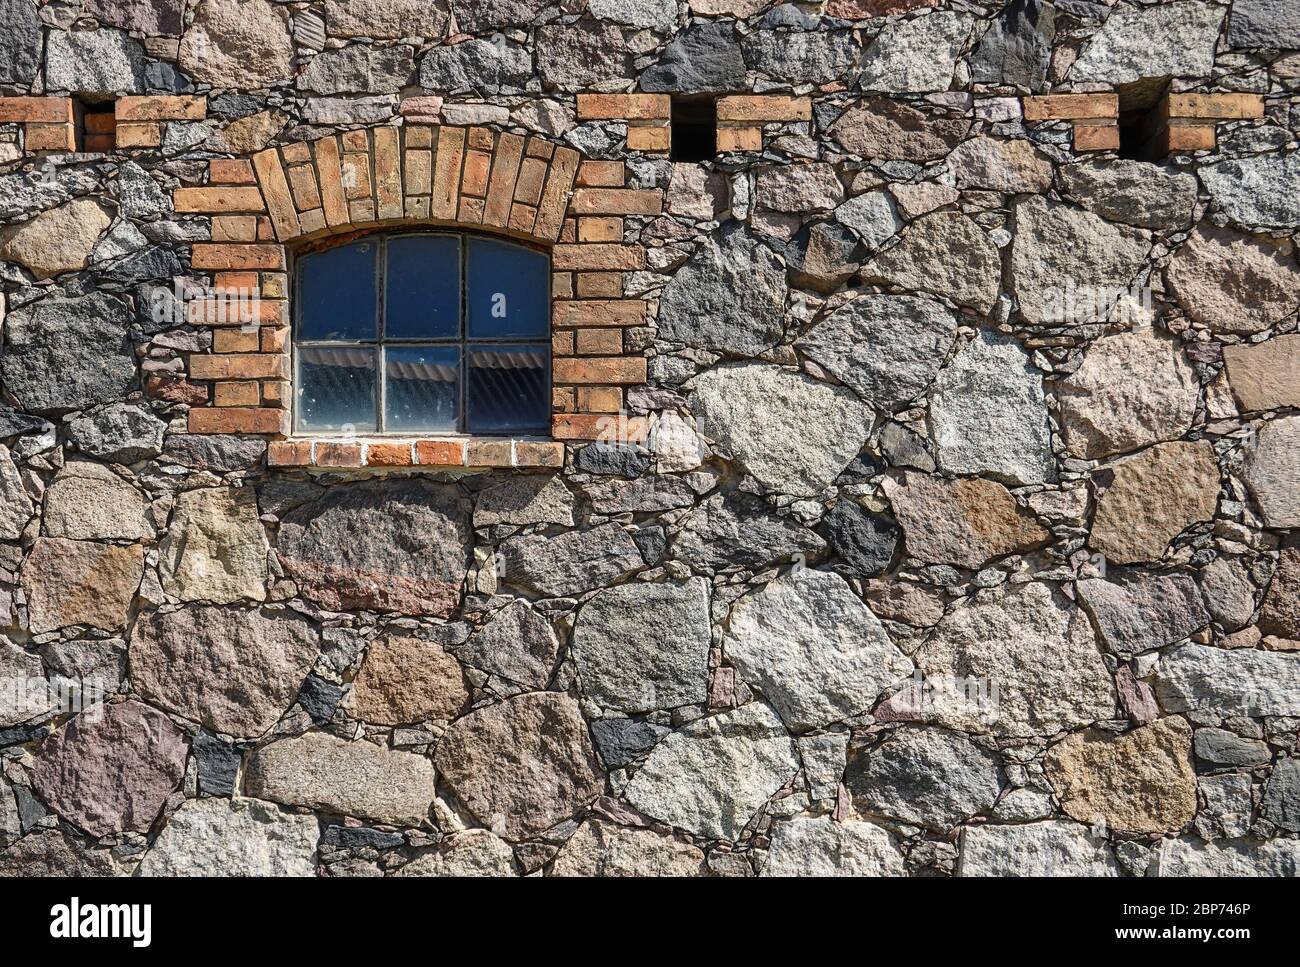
(171, 107)
(599, 312)
(440, 453)
(44, 109)
(597, 257)
(531, 453)
(219, 256)
(389, 454)
(598, 426)
(338, 454)
(230, 171)
(289, 453)
(239, 366)
(489, 453)
(759, 107)
(619, 370)
(224, 199)
(234, 419)
(615, 107)
(1069, 107)
(601, 174)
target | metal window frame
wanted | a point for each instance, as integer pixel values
(380, 344)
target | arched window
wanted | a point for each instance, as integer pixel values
(422, 333)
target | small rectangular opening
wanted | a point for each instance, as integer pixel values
(694, 128)
(96, 126)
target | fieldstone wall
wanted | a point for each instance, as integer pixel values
(929, 507)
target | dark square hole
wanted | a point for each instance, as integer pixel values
(694, 128)
(96, 126)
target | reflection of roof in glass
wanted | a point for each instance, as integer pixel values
(402, 367)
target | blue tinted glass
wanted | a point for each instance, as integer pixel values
(337, 295)
(336, 388)
(508, 389)
(422, 288)
(508, 288)
(421, 392)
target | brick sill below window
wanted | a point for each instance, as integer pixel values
(416, 453)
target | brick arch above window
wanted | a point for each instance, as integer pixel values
(268, 204)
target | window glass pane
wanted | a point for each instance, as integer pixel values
(508, 389)
(337, 293)
(336, 388)
(421, 392)
(422, 288)
(508, 291)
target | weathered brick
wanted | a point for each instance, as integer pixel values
(600, 399)
(223, 199)
(141, 134)
(53, 110)
(236, 341)
(505, 173)
(221, 256)
(474, 180)
(563, 342)
(337, 454)
(419, 172)
(239, 366)
(536, 453)
(598, 285)
(1069, 107)
(617, 201)
(289, 453)
(615, 107)
(234, 228)
(388, 173)
(601, 174)
(532, 178)
(1183, 137)
(613, 428)
(446, 173)
(356, 176)
(555, 196)
(759, 107)
(599, 342)
(276, 392)
(302, 182)
(230, 171)
(619, 370)
(51, 137)
(419, 135)
(1096, 137)
(522, 218)
(649, 137)
(598, 256)
(600, 228)
(739, 139)
(297, 153)
(237, 419)
(170, 107)
(329, 174)
(489, 453)
(599, 312)
(237, 393)
(389, 454)
(440, 453)
(1212, 106)
(279, 203)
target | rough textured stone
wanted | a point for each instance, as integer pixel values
(142, 16)
(20, 42)
(1279, 613)
(475, 852)
(479, 16)
(580, 55)
(358, 69)
(407, 680)
(1154, 496)
(780, 641)
(995, 165)
(873, 217)
(1233, 282)
(640, 647)
(1135, 43)
(518, 644)
(569, 564)
(792, 433)
(1228, 681)
(55, 241)
(1281, 804)
(802, 57)
(119, 432)
(865, 542)
(382, 545)
(705, 57)
(357, 778)
(525, 499)
(1257, 191)
(1132, 389)
(945, 253)
(55, 853)
(925, 777)
(1228, 592)
(966, 522)
(216, 548)
(1274, 24)
(219, 452)
(1219, 748)
(97, 62)
(886, 348)
(521, 765)
(659, 14)
(1265, 376)
(110, 770)
(88, 501)
(915, 56)
(1057, 246)
(80, 582)
(1041, 655)
(1017, 49)
(878, 127)
(240, 837)
(482, 66)
(988, 414)
(820, 258)
(1136, 611)
(1140, 782)
(24, 696)
(729, 297)
(1272, 469)
(68, 354)
(711, 777)
(603, 849)
(1035, 849)
(15, 506)
(820, 847)
(234, 671)
(239, 43)
(735, 530)
(1132, 192)
(1191, 857)
(620, 741)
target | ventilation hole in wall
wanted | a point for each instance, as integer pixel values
(96, 126)
(1135, 136)
(694, 128)
(1139, 117)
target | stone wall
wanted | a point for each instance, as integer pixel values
(922, 491)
